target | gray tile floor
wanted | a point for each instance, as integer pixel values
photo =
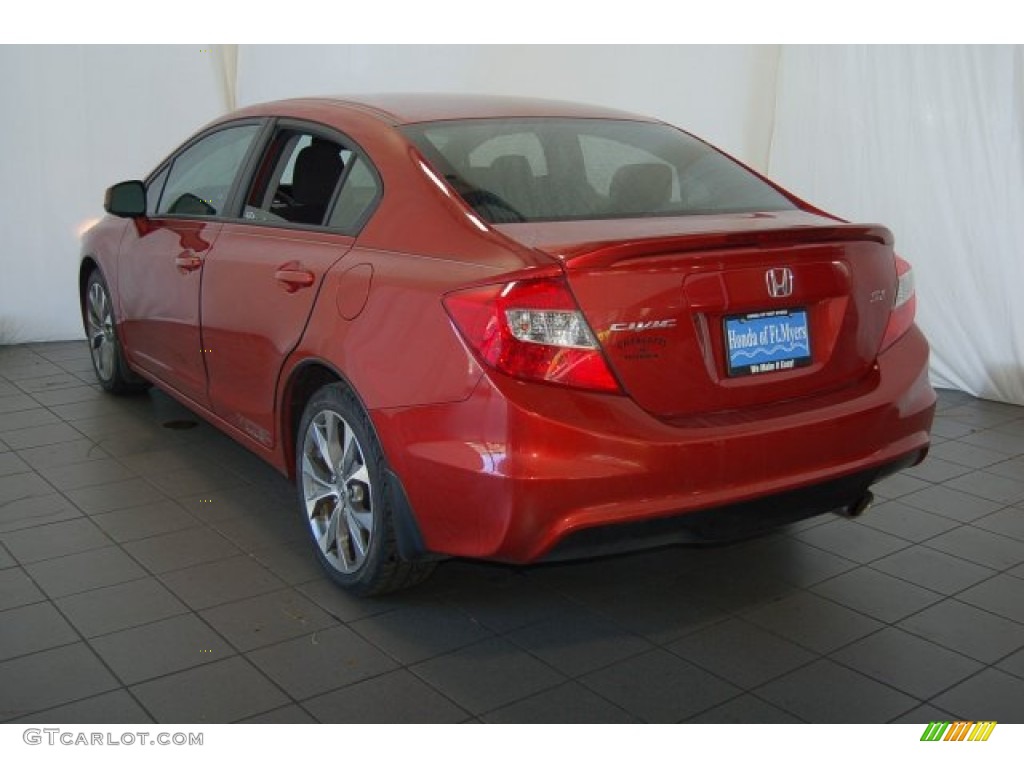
(158, 574)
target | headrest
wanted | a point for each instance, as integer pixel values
(511, 167)
(641, 187)
(317, 169)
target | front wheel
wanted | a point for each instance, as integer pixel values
(104, 346)
(342, 496)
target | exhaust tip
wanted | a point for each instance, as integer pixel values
(859, 507)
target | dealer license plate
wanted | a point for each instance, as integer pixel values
(764, 342)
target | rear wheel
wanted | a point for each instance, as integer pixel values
(104, 346)
(343, 498)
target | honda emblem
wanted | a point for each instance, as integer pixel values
(779, 282)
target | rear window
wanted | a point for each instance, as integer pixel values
(554, 169)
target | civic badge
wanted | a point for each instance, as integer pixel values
(779, 282)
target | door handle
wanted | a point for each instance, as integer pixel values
(187, 261)
(292, 278)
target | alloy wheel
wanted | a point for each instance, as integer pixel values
(102, 341)
(337, 491)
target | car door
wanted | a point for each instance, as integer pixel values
(162, 257)
(264, 274)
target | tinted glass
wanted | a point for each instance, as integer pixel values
(356, 197)
(153, 190)
(201, 176)
(549, 169)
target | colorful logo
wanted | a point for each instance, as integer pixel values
(959, 731)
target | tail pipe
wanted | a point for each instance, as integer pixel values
(859, 507)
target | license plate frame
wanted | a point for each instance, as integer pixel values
(769, 341)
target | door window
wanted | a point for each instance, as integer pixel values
(153, 190)
(297, 179)
(201, 177)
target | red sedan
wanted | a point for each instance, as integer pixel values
(508, 329)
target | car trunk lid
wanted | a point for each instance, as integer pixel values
(706, 314)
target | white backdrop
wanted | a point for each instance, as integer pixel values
(926, 140)
(76, 119)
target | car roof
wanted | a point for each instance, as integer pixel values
(401, 108)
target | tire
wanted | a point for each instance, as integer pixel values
(340, 478)
(108, 360)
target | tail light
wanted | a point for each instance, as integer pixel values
(904, 306)
(531, 329)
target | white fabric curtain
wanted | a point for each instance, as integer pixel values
(227, 56)
(930, 141)
(78, 118)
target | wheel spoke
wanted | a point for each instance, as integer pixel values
(328, 539)
(313, 473)
(347, 553)
(94, 317)
(315, 497)
(360, 475)
(331, 424)
(97, 303)
(355, 533)
(105, 363)
(361, 518)
(322, 446)
(348, 453)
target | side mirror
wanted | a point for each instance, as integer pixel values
(127, 199)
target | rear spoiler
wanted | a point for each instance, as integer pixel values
(605, 254)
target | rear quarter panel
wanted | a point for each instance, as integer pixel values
(400, 349)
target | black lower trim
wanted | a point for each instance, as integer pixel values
(731, 522)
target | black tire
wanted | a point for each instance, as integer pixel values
(344, 498)
(108, 362)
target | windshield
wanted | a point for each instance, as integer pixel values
(553, 169)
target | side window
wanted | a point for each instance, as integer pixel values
(356, 197)
(153, 190)
(201, 176)
(296, 179)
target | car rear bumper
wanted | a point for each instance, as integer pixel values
(731, 522)
(516, 470)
